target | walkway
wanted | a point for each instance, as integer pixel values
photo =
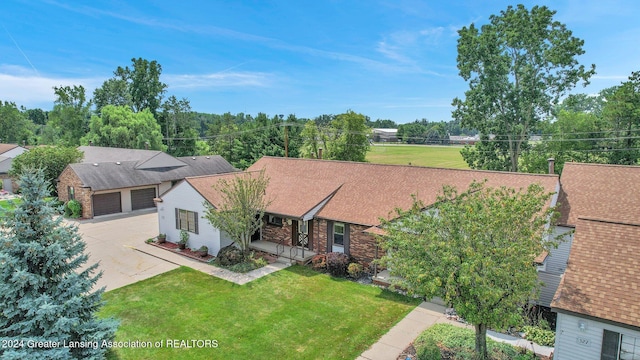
(392, 344)
(224, 274)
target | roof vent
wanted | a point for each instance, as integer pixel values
(193, 158)
(208, 157)
(95, 164)
(117, 162)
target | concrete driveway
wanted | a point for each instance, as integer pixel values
(112, 241)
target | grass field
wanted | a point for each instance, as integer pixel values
(420, 155)
(295, 313)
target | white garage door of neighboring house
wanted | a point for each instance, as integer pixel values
(142, 198)
(108, 203)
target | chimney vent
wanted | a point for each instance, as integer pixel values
(551, 165)
(320, 153)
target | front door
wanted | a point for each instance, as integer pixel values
(300, 233)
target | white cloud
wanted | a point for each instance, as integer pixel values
(24, 87)
(216, 80)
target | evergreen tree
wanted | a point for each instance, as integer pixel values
(45, 294)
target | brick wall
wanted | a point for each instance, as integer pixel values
(83, 195)
(276, 233)
(362, 246)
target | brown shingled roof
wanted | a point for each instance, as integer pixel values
(599, 191)
(370, 191)
(288, 197)
(603, 275)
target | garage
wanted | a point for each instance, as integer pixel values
(108, 203)
(143, 198)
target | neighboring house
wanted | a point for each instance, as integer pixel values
(385, 135)
(463, 140)
(114, 180)
(598, 300)
(326, 206)
(7, 153)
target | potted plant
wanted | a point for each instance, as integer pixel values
(162, 238)
(184, 238)
(204, 251)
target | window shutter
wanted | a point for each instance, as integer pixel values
(196, 222)
(177, 219)
(329, 236)
(346, 242)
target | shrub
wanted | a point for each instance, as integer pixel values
(461, 342)
(229, 255)
(355, 270)
(73, 209)
(319, 262)
(540, 336)
(337, 263)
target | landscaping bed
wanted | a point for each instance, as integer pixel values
(184, 252)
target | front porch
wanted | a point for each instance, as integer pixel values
(283, 252)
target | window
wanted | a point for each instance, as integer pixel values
(274, 220)
(71, 192)
(616, 346)
(338, 234)
(187, 220)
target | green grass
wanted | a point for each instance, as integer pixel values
(294, 313)
(420, 155)
(9, 204)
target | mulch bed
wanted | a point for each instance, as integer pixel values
(186, 252)
(446, 354)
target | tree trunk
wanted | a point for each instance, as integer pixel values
(481, 342)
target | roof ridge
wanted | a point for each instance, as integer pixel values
(410, 166)
(601, 165)
(608, 221)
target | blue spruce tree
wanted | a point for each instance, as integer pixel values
(46, 296)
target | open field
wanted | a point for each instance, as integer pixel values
(294, 313)
(420, 155)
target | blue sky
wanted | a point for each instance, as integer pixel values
(388, 59)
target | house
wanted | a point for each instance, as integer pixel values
(385, 135)
(322, 206)
(598, 300)
(7, 153)
(114, 180)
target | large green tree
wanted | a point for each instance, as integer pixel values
(475, 250)
(241, 209)
(138, 86)
(70, 115)
(178, 125)
(312, 141)
(119, 126)
(14, 126)
(51, 159)
(622, 112)
(517, 66)
(349, 140)
(45, 289)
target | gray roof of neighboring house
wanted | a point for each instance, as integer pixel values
(5, 164)
(117, 174)
(145, 159)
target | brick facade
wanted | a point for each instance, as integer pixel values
(362, 246)
(277, 233)
(83, 195)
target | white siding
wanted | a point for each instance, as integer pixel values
(164, 187)
(572, 343)
(185, 197)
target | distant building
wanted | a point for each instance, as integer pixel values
(385, 135)
(463, 140)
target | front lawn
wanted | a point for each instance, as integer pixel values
(294, 313)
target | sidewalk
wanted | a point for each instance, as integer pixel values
(393, 343)
(224, 274)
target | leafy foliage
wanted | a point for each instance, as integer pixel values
(73, 209)
(14, 127)
(518, 66)
(70, 115)
(241, 209)
(119, 126)
(459, 342)
(44, 293)
(473, 249)
(349, 141)
(51, 159)
(337, 263)
(355, 270)
(540, 336)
